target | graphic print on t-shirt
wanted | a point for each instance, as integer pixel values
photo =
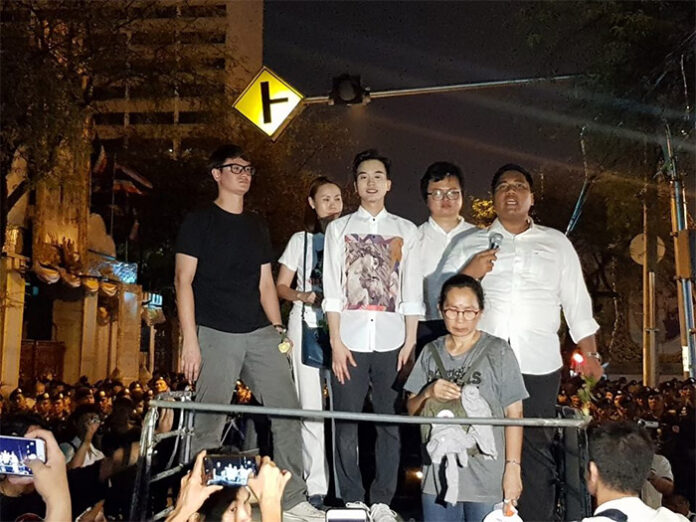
(373, 264)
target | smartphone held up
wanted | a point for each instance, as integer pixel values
(229, 470)
(14, 451)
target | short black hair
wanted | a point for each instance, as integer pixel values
(462, 281)
(508, 167)
(623, 453)
(223, 153)
(370, 154)
(437, 172)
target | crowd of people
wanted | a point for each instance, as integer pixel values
(443, 319)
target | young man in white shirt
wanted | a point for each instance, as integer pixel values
(532, 275)
(620, 459)
(372, 299)
(442, 188)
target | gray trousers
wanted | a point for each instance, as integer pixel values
(376, 370)
(255, 358)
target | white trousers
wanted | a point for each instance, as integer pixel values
(308, 383)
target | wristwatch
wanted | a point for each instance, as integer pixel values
(281, 329)
(594, 355)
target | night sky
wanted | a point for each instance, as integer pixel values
(397, 45)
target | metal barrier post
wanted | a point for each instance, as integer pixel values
(139, 500)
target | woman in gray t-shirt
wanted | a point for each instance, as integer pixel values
(481, 379)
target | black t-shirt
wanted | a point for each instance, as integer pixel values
(230, 249)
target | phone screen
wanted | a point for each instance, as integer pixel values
(15, 450)
(346, 515)
(229, 470)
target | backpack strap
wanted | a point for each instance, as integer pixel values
(613, 514)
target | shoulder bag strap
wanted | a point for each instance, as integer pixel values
(441, 367)
(304, 270)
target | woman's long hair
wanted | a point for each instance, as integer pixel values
(312, 224)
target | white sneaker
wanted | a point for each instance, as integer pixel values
(303, 511)
(382, 513)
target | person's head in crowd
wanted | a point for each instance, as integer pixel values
(563, 397)
(103, 401)
(621, 455)
(57, 405)
(39, 387)
(83, 381)
(161, 385)
(83, 395)
(18, 402)
(442, 189)
(324, 204)
(678, 504)
(121, 415)
(461, 304)
(125, 392)
(83, 416)
(609, 395)
(656, 403)
(116, 387)
(686, 394)
(135, 387)
(575, 401)
(43, 404)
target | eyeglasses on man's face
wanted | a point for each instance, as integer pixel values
(439, 195)
(236, 168)
(454, 313)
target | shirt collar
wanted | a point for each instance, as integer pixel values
(497, 226)
(460, 224)
(618, 503)
(366, 215)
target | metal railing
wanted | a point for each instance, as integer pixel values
(184, 401)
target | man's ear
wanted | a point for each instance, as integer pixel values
(592, 478)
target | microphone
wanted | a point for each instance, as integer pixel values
(495, 240)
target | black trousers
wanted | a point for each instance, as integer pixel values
(376, 370)
(539, 474)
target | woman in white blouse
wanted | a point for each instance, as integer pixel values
(324, 204)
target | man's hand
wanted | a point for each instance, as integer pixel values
(340, 357)
(481, 264)
(307, 297)
(91, 428)
(405, 355)
(191, 359)
(268, 486)
(444, 390)
(193, 493)
(51, 478)
(591, 367)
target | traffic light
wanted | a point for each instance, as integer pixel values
(348, 90)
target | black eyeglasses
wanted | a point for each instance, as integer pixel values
(450, 194)
(236, 168)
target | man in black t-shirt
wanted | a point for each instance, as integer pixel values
(227, 302)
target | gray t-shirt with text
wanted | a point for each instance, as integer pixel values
(499, 381)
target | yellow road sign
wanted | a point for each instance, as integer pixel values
(268, 102)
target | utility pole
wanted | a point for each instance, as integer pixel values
(650, 356)
(687, 329)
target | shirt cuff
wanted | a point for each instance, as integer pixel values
(412, 309)
(582, 329)
(332, 305)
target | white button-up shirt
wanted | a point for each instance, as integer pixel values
(432, 242)
(537, 273)
(372, 277)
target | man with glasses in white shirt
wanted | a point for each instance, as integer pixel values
(442, 188)
(532, 274)
(372, 299)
